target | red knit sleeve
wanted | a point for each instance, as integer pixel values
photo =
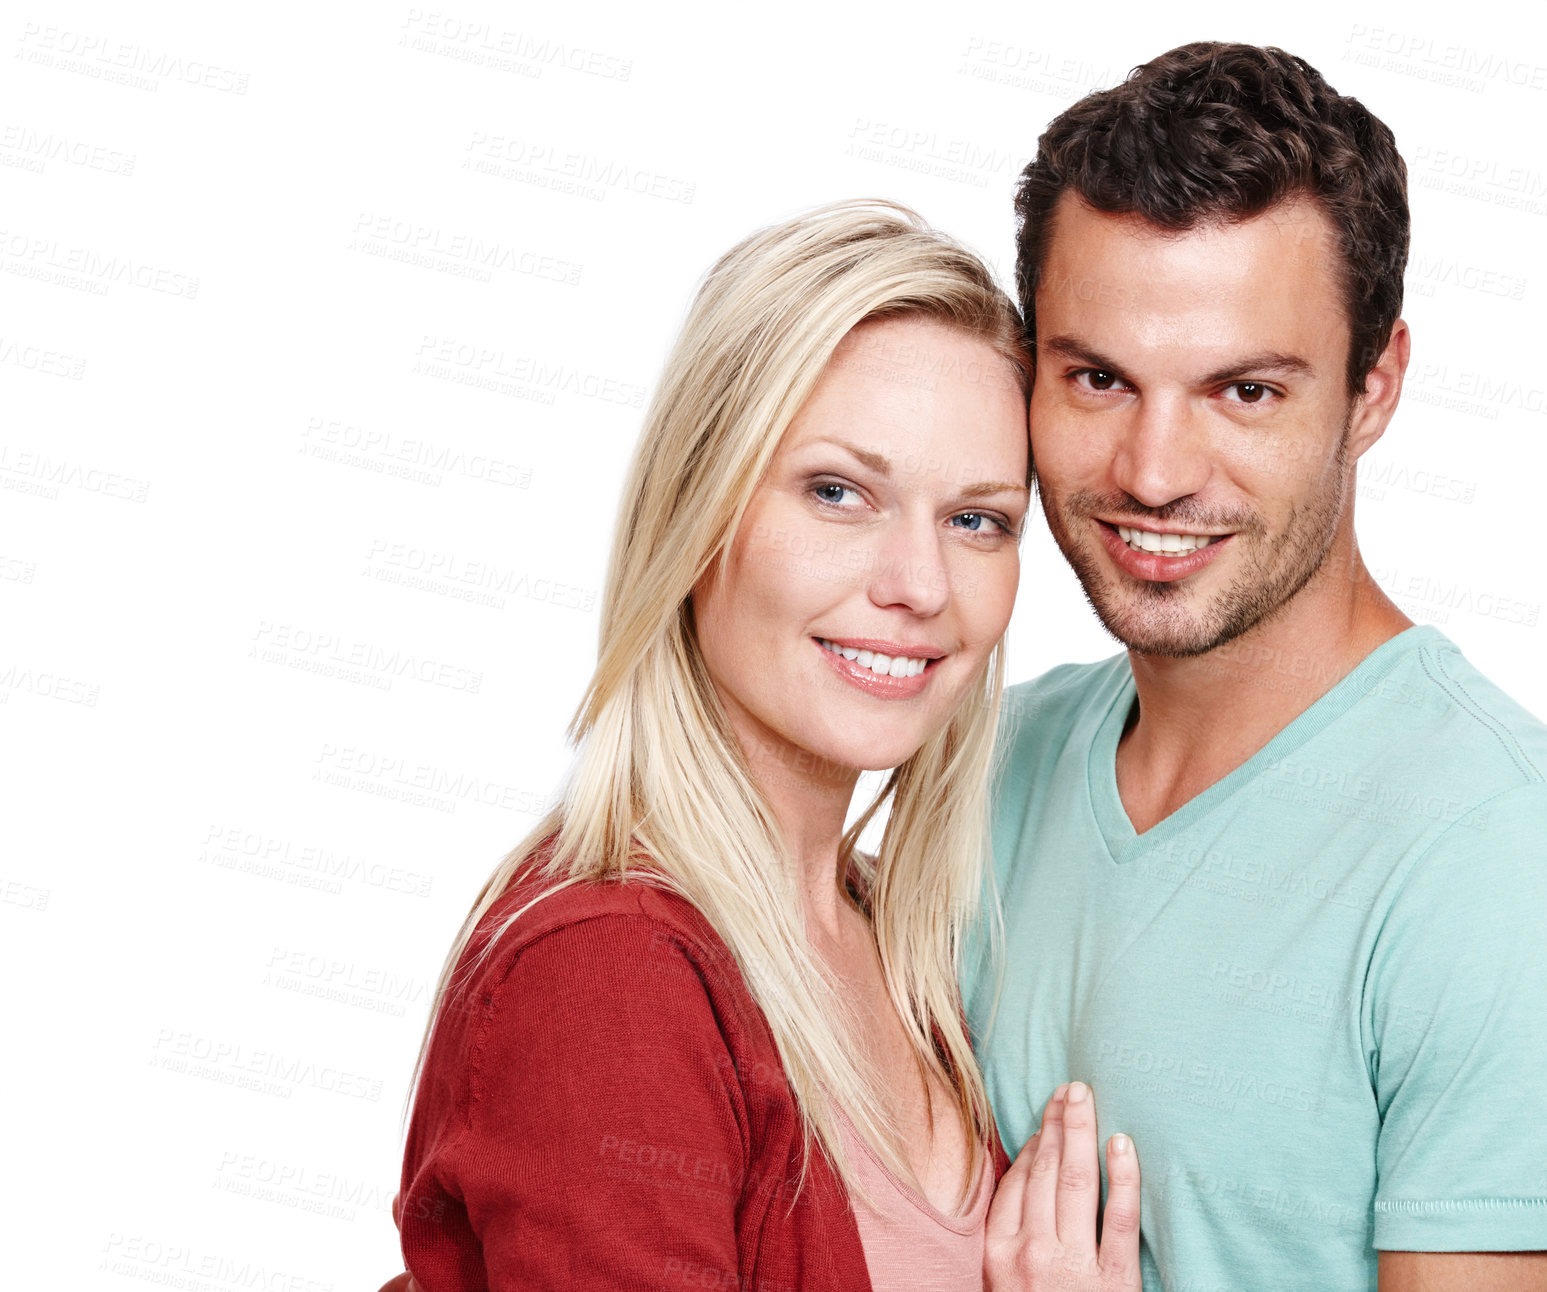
(605, 1141)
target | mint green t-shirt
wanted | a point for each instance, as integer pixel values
(1316, 995)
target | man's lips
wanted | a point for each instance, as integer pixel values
(1157, 567)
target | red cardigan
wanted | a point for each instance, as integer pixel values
(602, 1106)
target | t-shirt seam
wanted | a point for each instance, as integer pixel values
(1463, 698)
(1407, 878)
(1121, 676)
(1412, 1205)
(1008, 743)
(1444, 832)
(1312, 732)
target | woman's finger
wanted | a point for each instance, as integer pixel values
(1119, 1258)
(1079, 1176)
(1039, 1207)
(1004, 1212)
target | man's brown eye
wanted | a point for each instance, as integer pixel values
(1250, 392)
(1102, 380)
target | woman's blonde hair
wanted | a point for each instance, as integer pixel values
(661, 783)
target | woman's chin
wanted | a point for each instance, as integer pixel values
(874, 755)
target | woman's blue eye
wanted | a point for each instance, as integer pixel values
(974, 521)
(832, 493)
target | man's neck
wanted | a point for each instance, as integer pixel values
(1200, 718)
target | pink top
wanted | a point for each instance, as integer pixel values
(908, 1243)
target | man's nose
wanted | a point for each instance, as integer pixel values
(1163, 451)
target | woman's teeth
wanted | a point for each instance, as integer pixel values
(883, 665)
(1142, 540)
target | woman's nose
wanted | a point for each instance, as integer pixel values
(909, 570)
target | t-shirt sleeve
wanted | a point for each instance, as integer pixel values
(605, 1146)
(1456, 1030)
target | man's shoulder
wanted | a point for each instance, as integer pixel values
(1064, 690)
(1460, 723)
(1043, 720)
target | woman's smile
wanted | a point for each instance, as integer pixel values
(884, 669)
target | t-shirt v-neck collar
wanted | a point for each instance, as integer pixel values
(1124, 843)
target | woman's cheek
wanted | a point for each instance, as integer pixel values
(1008, 584)
(985, 594)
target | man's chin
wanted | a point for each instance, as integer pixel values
(1166, 644)
(1165, 627)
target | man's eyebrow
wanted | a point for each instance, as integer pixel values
(1070, 347)
(1270, 363)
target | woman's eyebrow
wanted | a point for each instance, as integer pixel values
(882, 466)
(993, 486)
(877, 462)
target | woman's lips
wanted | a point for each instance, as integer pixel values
(882, 685)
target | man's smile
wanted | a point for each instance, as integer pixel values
(1156, 556)
(1164, 543)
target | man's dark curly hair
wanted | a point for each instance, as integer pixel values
(1220, 132)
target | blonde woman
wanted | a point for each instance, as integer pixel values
(689, 1035)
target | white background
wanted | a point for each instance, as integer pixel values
(324, 335)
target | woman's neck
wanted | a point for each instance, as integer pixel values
(810, 798)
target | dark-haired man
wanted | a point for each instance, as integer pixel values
(1274, 881)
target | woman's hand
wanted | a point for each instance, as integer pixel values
(1042, 1222)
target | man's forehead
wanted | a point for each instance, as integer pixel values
(1296, 227)
(1121, 270)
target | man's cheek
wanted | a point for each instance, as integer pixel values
(1277, 463)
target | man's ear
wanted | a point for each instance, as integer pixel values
(1382, 391)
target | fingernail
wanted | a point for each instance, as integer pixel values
(1061, 1091)
(1078, 1090)
(1121, 1143)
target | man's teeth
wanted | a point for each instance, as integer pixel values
(1142, 540)
(883, 665)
